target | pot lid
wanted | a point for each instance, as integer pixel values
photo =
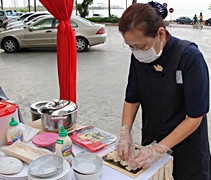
(58, 107)
(37, 105)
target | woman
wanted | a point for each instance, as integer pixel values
(195, 21)
(169, 80)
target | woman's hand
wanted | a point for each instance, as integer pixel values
(149, 155)
(124, 144)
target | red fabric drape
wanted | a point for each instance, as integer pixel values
(66, 47)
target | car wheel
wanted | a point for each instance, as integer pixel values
(178, 22)
(10, 45)
(82, 44)
(208, 24)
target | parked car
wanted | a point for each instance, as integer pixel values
(184, 20)
(27, 19)
(98, 15)
(25, 24)
(24, 16)
(20, 18)
(208, 22)
(8, 15)
(43, 34)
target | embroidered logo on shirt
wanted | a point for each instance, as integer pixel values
(158, 68)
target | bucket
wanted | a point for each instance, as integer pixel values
(35, 115)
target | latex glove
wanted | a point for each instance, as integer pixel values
(149, 155)
(124, 145)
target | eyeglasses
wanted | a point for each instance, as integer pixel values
(135, 48)
(126, 46)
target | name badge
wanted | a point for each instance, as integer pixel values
(179, 77)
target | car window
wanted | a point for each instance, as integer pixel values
(73, 24)
(1, 13)
(32, 17)
(8, 13)
(44, 24)
(24, 16)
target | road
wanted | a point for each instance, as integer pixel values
(31, 76)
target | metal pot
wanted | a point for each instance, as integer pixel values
(34, 107)
(58, 113)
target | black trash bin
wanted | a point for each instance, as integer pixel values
(34, 108)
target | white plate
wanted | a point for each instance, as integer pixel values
(64, 175)
(19, 176)
(1, 153)
(10, 165)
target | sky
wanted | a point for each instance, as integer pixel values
(177, 4)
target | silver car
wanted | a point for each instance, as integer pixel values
(8, 15)
(43, 32)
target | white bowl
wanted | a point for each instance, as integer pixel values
(87, 163)
(46, 166)
(94, 176)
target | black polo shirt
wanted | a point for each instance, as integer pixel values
(195, 77)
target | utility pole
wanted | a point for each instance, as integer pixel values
(35, 5)
(29, 5)
(109, 8)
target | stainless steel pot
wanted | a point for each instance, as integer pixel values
(58, 113)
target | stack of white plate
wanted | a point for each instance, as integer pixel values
(19, 176)
(63, 174)
(12, 168)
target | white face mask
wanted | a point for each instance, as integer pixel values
(149, 55)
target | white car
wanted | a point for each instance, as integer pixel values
(25, 24)
(25, 20)
(43, 32)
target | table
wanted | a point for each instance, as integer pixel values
(162, 170)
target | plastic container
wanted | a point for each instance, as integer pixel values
(46, 140)
(64, 145)
(7, 111)
(14, 133)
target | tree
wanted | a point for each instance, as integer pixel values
(76, 11)
(134, 1)
(209, 7)
(83, 7)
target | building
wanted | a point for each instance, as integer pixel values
(25, 3)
